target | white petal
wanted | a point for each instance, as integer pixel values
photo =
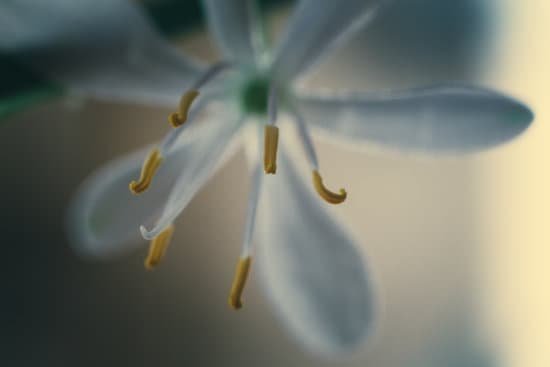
(316, 27)
(104, 217)
(313, 271)
(210, 152)
(104, 48)
(450, 119)
(236, 26)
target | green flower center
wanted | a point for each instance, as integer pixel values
(254, 95)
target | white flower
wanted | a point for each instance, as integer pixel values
(313, 272)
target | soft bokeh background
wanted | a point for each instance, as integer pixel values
(457, 246)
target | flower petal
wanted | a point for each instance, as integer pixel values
(209, 153)
(104, 217)
(312, 269)
(106, 49)
(436, 119)
(316, 27)
(236, 26)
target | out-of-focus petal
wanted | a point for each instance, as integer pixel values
(209, 153)
(104, 216)
(312, 270)
(237, 29)
(107, 49)
(316, 27)
(451, 119)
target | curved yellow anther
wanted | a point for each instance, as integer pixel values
(239, 281)
(157, 248)
(150, 166)
(271, 141)
(179, 118)
(329, 196)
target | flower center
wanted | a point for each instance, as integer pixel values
(257, 97)
(254, 96)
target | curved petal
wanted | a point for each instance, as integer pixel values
(211, 151)
(316, 27)
(104, 217)
(436, 119)
(237, 29)
(103, 48)
(312, 270)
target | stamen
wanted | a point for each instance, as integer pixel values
(239, 281)
(271, 141)
(179, 118)
(157, 248)
(329, 196)
(150, 166)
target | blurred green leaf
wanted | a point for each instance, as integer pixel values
(20, 88)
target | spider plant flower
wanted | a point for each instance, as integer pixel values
(310, 265)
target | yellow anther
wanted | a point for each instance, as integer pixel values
(157, 248)
(179, 118)
(239, 281)
(271, 141)
(150, 166)
(329, 196)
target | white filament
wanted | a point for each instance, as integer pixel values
(255, 188)
(210, 73)
(305, 138)
(272, 103)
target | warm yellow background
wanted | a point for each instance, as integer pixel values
(515, 182)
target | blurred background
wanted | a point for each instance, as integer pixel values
(457, 245)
